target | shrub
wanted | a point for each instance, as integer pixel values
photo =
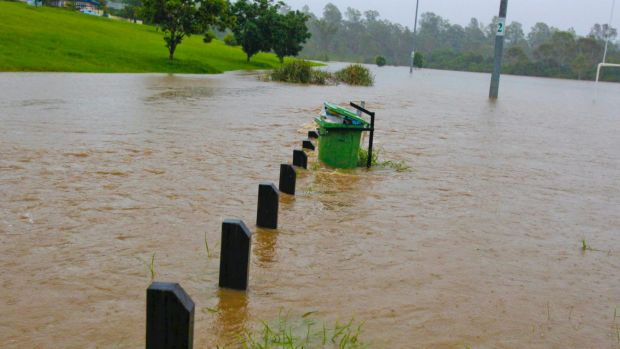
(209, 36)
(230, 40)
(418, 60)
(380, 60)
(355, 74)
(301, 72)
(298, 71)
(321, 77)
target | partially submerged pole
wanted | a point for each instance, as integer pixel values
(415, 30)
(235, 255)
(499, 49)
(267, 210)
(288, 177)
(300, 159)
(169, 317)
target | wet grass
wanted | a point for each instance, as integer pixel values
(304, 332)
(207, 246)
(150, 267)
(54, 39)
(362, 160)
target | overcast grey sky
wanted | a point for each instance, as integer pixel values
(579, 14)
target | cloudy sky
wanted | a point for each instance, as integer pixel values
(579, 14)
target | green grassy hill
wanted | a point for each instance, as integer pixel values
(52, 39)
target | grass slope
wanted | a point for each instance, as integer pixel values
(52, 39)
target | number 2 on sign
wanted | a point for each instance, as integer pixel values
(501, 26)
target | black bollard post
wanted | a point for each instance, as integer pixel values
(288, 177)
(313, 134)
(307, 144)
(267, 212)
(169, 317)
(235, 255)
(300, 158)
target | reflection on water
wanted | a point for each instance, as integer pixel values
(231, 320)
(477, 245)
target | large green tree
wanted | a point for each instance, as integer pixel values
(289, 33)
(253, 24)
(178, 19)
(267, 25)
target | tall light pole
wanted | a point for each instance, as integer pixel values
(608, 31)
(499, 49)
(415, 30)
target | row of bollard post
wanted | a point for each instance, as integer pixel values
(170, 310)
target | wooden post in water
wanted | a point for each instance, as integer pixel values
(307, 144)
(499, 49)
(235, 255)
(169, 317)
(267, 211)
(288, 178)
(300, 158)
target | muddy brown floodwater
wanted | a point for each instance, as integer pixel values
(478, 245)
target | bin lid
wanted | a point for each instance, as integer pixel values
(335, 116)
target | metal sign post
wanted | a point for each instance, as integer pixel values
(499, 49)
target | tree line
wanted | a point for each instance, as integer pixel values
(544, 51)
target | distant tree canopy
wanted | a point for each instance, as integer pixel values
(266, 25)
(543, 51)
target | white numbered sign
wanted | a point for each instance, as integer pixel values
(501, 26)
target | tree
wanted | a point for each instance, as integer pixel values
(602, 32)
(418, 60)
(131, 10)
(254, 24)
(380, 61)
(176, 18)
(539, 34)
(329, 25)
(180, 18)
(515, 35)
(289, 33)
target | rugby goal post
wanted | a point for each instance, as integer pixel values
(601, 65)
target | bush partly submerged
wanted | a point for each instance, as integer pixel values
(356, 74)
(302, 72)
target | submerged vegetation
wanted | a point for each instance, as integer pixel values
(304, 332)
(362, 160)
(355, 74)
(302, 72)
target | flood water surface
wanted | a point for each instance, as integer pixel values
(478, 244)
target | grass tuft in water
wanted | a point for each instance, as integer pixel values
(362, 160)
(207, 246)
(303, 332)
(150, 266)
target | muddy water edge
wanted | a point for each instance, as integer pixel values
(478, 244)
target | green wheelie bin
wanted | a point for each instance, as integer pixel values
(340, 132)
